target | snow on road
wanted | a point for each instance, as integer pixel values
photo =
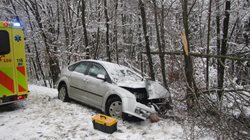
(43, 116)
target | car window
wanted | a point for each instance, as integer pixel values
(4, 42)
(72, 67)
(81, 68)
(120, 73)
(96, 69)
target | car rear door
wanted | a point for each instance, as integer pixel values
(95, 87)
(77, 82)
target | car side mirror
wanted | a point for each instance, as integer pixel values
(101, 77)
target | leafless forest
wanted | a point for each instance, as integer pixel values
(198, 49)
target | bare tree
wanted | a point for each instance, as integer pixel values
(98, 8)
(85, 29)
(208, 42)
(116, 32)
(107, 31)
(223, 50)
(160, 44)
(191, 86)
(53, 60)
(146, 37)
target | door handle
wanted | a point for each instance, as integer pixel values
(85, 80)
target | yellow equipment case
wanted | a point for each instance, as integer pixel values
(104, 123)
(13, 72)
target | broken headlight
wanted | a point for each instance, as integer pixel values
(142, 112)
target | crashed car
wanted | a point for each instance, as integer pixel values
(115, 89)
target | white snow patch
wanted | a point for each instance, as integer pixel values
(43, 116)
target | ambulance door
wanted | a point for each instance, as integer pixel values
(7, 76)
(20, 61)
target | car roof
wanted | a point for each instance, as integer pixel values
(104, 63)
(107, 65)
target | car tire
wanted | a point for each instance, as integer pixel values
(63, 93)
(114, 107)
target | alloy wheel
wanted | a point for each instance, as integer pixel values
(115, 109)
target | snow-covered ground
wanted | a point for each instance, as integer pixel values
(43, 116)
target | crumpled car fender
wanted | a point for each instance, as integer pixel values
(129, 103)
(130, 106)
(115, 90)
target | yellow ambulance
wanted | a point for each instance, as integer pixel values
(13, 73)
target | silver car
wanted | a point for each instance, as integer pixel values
(115, 89)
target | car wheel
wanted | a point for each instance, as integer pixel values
(114, 107)
(63, 93)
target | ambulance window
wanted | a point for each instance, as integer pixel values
(4, 42)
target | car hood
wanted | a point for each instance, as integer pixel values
(154, 89)
(132, 84)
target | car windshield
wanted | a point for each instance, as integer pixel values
(122, 74)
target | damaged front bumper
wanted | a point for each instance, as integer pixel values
(136, 109)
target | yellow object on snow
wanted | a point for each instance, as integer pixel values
(104, 123)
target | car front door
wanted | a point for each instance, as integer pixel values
(95, 86)
(78, 82)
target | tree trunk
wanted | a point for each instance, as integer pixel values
(208, 42)
(224, 47)
(161, 55)
(98, 30)
(191, 86)
(107, 31)
(85, 30)
(218, 38)
(116, 33)
(66, 29)
(146, 37)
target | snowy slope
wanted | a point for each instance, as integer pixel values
(43, 116)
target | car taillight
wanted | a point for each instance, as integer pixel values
(21, 97)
